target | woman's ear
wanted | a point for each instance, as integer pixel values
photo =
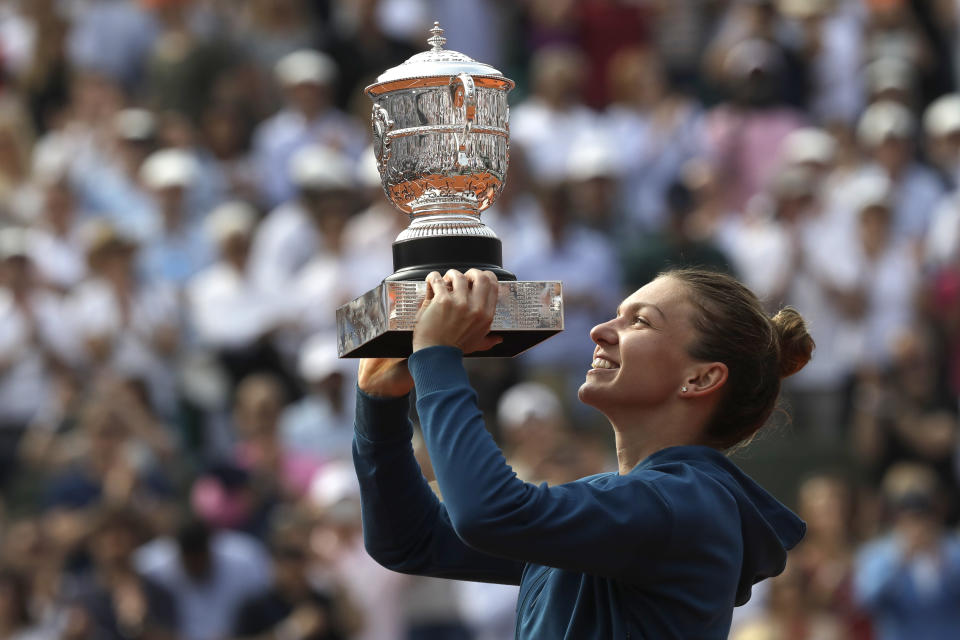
(706, 378)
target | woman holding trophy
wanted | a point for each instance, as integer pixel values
(689, 367)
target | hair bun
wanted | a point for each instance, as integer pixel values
(796, 344)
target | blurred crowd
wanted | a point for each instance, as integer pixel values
(187, 193)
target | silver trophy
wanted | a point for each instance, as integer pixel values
(441, 139)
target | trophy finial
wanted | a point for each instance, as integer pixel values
(436, 40)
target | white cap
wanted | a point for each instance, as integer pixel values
(332, 483)
(524, 401)
(871, 189)
(793, 182)
(99, 233)
(942, 117)
(592, 156)
(808, 144)
(229, 219)
(135, 124)
(805, 8)
(51, 163)
(320, 167)
(305, 66)
(14, 242)
(889, 73)
(368, 175)
(319, 359)
(169, 168)
(883, 120)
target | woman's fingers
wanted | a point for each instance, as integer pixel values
(459, 285)
(460, 311)
(436, 286)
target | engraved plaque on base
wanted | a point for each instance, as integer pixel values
(380, 322)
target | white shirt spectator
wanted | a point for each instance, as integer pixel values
(24, 339)
(943, 237)
(278, 138)
(890, 283)
(97, 313)
(59, 260)
(548, 135)
(241, 569)
(651, 154)
(227, 309)
(284, 242)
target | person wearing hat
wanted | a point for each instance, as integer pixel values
(307, 118)
(321, 423)
(180, 248)
(125, 322)
(885, 133)
(941, 125)
(294, 233)
(108, 180)
(56, 247)
(888, 276)
(230, 314)
(907, 579)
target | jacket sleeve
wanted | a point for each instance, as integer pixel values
(609, 528)
(405, 528)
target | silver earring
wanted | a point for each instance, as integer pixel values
(683, 389)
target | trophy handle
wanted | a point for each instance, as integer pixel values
(382, 126)
(464, 95)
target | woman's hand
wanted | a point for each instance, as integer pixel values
(458, 311)
(384, 377)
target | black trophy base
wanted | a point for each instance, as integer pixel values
(414, 259)
(399, 344)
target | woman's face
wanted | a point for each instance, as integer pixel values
(641, 357)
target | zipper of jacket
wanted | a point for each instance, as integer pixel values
(540, 580)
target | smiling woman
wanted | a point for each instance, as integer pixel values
(690, 366)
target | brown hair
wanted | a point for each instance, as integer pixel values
(759, 351)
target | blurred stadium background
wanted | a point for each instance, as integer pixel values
(187, 193)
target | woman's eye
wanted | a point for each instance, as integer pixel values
(639, 320)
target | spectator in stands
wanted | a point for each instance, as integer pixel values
(306, 77)
(210, 574)
(292, 606)
(292, 234)
(180, 248)
(321, 423)
(116, 599)
(885, 133)
(908, 580)
(744, 132)
(657, 131)
(675, 246)
(230, 314)
(556, 76)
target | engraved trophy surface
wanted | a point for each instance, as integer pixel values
(441, 140)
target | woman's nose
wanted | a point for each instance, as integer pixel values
(604, 333)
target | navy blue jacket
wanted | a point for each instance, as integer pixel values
(665, 551)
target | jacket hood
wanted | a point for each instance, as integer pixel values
(769, 528)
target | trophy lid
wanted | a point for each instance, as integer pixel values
(435, 63)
